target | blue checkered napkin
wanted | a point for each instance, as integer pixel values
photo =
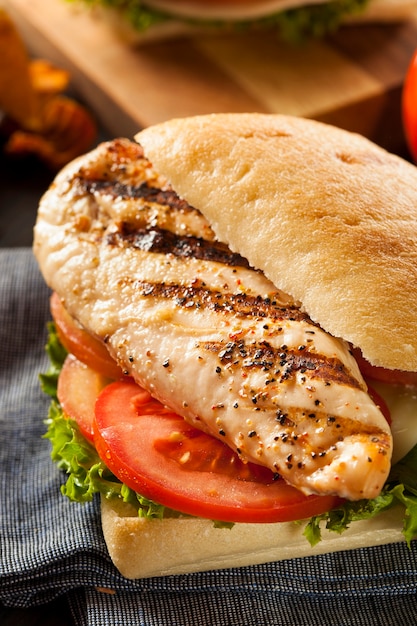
(50, 547)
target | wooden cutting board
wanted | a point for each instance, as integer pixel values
(352, 79)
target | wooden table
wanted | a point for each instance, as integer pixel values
(352, 79)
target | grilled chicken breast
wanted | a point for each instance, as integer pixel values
(206, 334)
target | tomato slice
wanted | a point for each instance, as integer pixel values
(383, 375)
(78, 388)
(159, 455)
(79, 342)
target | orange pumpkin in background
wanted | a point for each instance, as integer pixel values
(409, 107)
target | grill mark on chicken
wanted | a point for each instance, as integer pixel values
(166, 242)
(144, 197)
(263, 354)
(283, 362)
(119, 190)
(241, 304)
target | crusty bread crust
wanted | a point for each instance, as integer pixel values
(328, 216)
(141, 548)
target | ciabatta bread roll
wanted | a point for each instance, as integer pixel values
(232, 274)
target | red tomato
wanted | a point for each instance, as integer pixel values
(160, 456)
(381, 404)
(78, 388)
(79, 342)
(409, 106)
(383, 375)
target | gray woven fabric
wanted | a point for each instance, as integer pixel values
(50, 547)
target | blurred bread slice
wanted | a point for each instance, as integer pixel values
(178, 26)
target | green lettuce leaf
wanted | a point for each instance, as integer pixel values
(400, 488)
(86, 472)
(56, 353)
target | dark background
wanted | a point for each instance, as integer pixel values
(22, 183)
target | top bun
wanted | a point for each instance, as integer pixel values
(328, 216)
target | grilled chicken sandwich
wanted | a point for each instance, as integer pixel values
(143, 20)
(235, 272)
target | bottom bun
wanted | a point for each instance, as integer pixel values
(141, 548)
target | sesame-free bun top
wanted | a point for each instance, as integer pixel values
(328, 216)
